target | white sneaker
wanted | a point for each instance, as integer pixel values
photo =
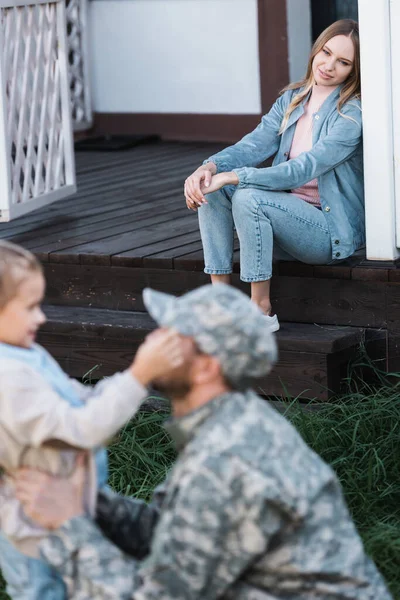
(272, 322)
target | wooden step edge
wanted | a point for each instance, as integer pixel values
(292, 337)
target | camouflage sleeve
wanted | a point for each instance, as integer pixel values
(90, 564)
(127, 522)
(219, 525)
(202, 544)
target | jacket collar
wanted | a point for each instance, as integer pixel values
(325, 109)
(184, 429)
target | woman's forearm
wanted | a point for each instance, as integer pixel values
(339, 146)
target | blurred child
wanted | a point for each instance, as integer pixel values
(47, 418)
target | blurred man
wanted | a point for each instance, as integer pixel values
(248, 512)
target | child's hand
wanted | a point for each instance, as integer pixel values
(160, 353)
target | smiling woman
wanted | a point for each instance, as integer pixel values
(334, 61)
(309, 206)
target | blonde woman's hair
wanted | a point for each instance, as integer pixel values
(351, 87)
(16, 264)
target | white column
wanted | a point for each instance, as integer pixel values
(395, 43)
(377, 105)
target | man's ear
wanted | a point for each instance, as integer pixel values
(207, 369)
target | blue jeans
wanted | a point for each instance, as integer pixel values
(268, 224)
(28, 578)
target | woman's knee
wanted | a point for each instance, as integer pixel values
(245, 201)
(217, 210)
(216, 202)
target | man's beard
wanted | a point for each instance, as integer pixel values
(172, 389)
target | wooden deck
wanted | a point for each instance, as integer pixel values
(129, 210)
(128, 227)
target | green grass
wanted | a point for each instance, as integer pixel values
(141, 455)
(359, 435)
(3, 595)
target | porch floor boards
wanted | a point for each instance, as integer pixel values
(129, 206)
(128, 227)
(130, 211)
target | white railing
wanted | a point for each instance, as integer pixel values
(77, 34)
(36, 143)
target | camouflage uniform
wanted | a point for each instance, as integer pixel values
(248, 512)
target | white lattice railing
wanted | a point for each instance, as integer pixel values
(36, 144)
(77, 34)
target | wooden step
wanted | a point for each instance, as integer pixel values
(295, 299)
(312, 358)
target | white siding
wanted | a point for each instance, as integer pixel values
(175, 56)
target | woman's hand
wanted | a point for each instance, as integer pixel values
(48, 500)
(193, 184)
(218, 181)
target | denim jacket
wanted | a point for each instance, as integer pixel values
(335, 160)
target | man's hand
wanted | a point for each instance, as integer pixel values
(51, 501)
(193, 184)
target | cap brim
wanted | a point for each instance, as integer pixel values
(160, 306)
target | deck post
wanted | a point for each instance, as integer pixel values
(380, 92)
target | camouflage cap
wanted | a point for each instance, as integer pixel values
(223, 322)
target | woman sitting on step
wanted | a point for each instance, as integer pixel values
(309, 205)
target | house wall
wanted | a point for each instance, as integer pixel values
(174, 56)
(193, 69)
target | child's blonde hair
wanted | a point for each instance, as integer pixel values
(15, 264)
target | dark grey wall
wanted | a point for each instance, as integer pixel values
(325, 12)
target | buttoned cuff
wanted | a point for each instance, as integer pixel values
(242, 176)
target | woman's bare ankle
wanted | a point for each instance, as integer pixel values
(264, 305)
(260, 295)
(225, 278)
